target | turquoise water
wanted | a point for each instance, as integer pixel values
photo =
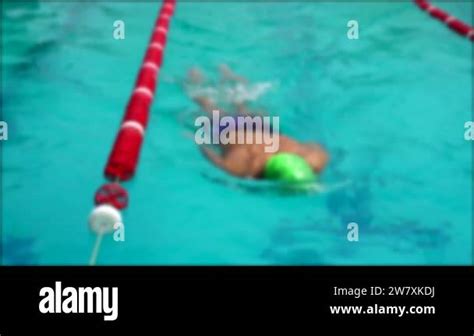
(390, 108)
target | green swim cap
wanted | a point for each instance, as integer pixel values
(290, 168)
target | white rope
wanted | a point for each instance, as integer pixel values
(96, 249)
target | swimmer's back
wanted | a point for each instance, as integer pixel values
(249, 160)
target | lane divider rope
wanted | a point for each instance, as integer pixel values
(453, 23)
(111, 197)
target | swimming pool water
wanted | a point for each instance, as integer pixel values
(390, 108)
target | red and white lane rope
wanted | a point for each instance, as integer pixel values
(453, 23)
(123, 160)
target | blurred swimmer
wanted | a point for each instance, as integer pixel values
(291, 162)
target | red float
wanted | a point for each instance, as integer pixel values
(113, 194)
(125, 153)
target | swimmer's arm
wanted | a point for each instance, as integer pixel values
(315, 155)
(208, 105)
(205, 104)
(229, 75)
